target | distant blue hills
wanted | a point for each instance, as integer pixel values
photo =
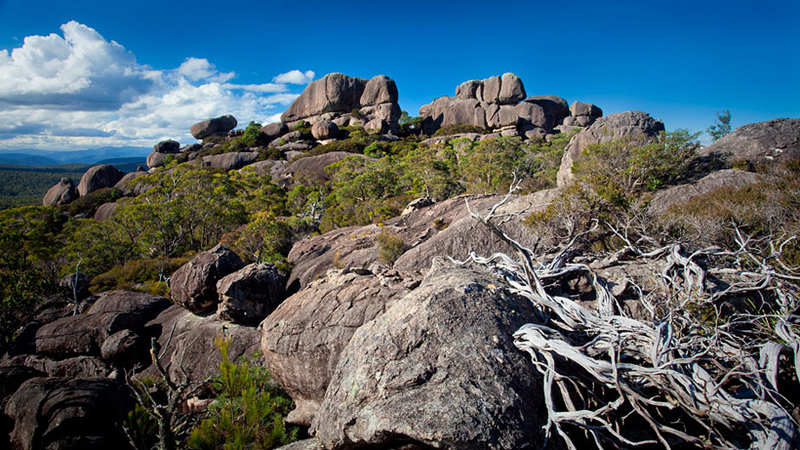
(101, 155)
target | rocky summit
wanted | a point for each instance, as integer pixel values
(504, 271)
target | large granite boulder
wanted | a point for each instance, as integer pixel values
(438, 368)
(64, 413)
(84, 334)
(248, 295)
(583, 114)
(187, 342)
(325, 129)
(99, 177)
(105, 211)
(61, 193)
(607, 129)
(194, 285)
(512, 90)
(335, 92)
(273, 131)
(156, 159)
(230, 161)
(126, 185)
(302, 339)
(378, 90)
(556, 109)
(760, 142)
(335, 96)
(167, 146)
(216, 126)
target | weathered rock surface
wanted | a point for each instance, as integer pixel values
(443, 228)
(324, 129)
(302, 339)
(64, 413)
(61, 193)
(230, 161)
(606, 129)
(248, 295)
(129, 189)
(274, 130)
(335, 92)
(292, 136)
(438, 368)
(312, 168)
(125, 348)
(193, 285)
(168, 146)
(760, 142)
(156, 159)
(555, 108)
(209, 127)
(675, 195)
(84, 334)
(191, 343)
(336, 95)
(105, 211)
(12, 377)
(98, 177)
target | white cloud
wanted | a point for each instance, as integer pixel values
(80, 90)
(295, 77)
(199, 69)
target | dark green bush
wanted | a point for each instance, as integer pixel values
(89, 203)
(390, 245)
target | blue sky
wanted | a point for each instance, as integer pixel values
(136, 72)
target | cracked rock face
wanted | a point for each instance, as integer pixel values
(438, 368)
(302, 339)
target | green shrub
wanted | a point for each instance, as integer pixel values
(141, 428)
(89, 203)
(390, 245)
(144, 275)
(459, 128)
(249, 409)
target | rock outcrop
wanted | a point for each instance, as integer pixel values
(105, 211)
(675, 195)
(438, 368)
(168, 146)
(302, 339)
(129, 189)
(324, 129)
(337, 97)
(312, 168)
(194, 285)
(230, 161)
(248, 295)
(61, 193)
(218, 126)
(607, 129)
(760, 142)
(64, 413)
(99, 177)
(582, 114)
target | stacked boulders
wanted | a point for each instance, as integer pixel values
(161, 151)
(99, 177)
(348, 101)
(218, 281)
(499, 104)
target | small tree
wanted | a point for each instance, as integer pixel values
(721, 126)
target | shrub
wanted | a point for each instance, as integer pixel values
(89, 203)
(390, 245)
(144, 275)
(248, 411)
(459, 128)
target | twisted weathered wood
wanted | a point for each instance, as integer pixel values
(671, 365)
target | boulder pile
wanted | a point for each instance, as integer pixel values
(499, 104)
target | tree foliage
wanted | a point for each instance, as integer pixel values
(721, 126)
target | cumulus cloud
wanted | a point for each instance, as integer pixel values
(295, 77)
(79, 90)
(199, 69)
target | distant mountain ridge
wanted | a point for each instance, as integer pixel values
(100, 155)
